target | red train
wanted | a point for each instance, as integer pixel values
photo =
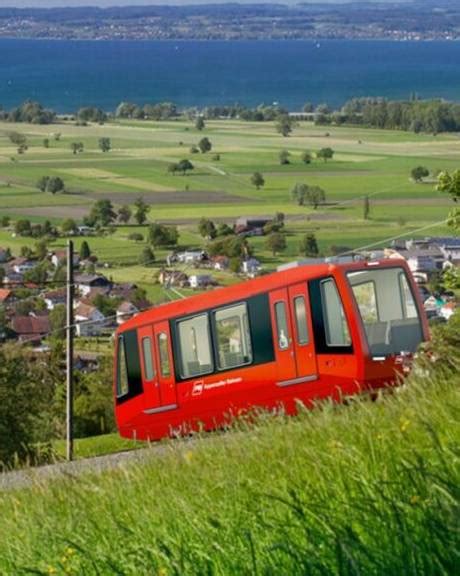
(305, 333)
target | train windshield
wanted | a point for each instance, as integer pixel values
(388, 310)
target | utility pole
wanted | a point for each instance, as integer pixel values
(69, 352)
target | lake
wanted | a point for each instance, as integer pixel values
(65, 75)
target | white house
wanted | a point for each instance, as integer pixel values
(23, 265)
(85, 282)
(201, 281)
(89, 321)
(125, 311)
(60, 256)
(55, 297)
(251, 267)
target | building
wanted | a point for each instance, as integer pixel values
(89, 321)
(173, 278)
(253, 224)
(187, 257)
(201, 281)
(125, 311)
(30, 328)
(85, 282)
(59, 258)
(251, 267)
(54, 298)
(426, 260)
(6, 296)
(220, 262)
(22, 265)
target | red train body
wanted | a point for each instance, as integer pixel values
(303, 334)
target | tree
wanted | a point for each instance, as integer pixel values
(325, 153)
(284, 157)
(207, 229)
(23, 227)
(366, 207)
(146, 257)
(185, 166)
(26, 391)
(308, 108)
(306, 157)
(102, 212)
(43, 183)
(69, 226)
(276, 242)
(308, 245)
(204, 145)
(142, 209)
(85, 251)
(199, 124)
(17, 138)
(173, 168)
(302, 193)
(5, 221)
(160, 235)
(46, 142)
(105, 144)
(55, 184)
(450, 183)
(284, 125)
(136, 236)
(58, 320)
(257, 180)
(41, 249)
(419, 172)
(224, 230)
(77, 147)
(124, 214)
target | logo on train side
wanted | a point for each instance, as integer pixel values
(199, 386)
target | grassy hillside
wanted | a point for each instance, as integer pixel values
(371, 162)
(368, 488)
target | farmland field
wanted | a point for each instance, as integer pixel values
(367, 162)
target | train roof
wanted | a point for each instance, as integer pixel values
(242, 290)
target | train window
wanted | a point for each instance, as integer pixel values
(148, 358)
(165, 368)
(301, 320)
(282, 330)
(388, 310)
(410, 309)
(195, 346)
(233, 337)
(122, 373)
(367, 301)
(335, 323)
(129, 377)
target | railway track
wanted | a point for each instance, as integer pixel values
(24, 478)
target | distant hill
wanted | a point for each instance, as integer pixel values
(370, 19)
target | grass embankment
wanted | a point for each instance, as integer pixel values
(369, 488)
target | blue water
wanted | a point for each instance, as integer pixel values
(65, 75)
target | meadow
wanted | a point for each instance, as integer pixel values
(368, 488)
(367, 162)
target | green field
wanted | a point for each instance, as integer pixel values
(369, 162)
(368, 488)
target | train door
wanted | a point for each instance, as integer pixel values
(303, 344)
(282, 336)
(165, 365)
(149, 367)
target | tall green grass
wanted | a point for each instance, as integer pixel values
(367, 488)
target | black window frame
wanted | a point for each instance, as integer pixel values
(317, 314)
(260, 334)
(210, 340)
(133, 366)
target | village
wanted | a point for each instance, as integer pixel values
(33, 306)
